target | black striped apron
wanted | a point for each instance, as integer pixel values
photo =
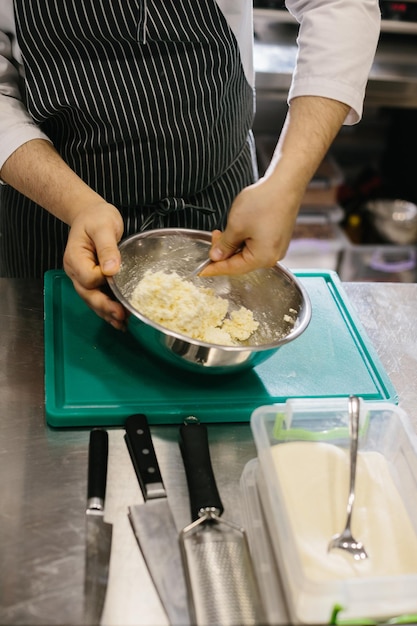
(146, 101)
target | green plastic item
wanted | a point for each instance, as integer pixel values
(97, 376)
(401, 619)
(282, 433)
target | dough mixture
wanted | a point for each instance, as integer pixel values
(197, 312)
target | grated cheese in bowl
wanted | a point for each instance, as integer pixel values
(181, 306)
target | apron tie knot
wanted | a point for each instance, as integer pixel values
(164, 207)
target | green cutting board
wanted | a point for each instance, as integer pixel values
(97, 376)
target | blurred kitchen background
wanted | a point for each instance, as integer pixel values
(359, 215)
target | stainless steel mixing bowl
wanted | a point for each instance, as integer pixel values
(277, 298)
(394, 220)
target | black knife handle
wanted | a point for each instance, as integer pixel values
(142, 452)
(202, 486)
(98, 451)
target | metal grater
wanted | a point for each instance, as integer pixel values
(218, 567)
(219, 573)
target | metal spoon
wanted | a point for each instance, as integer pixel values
(196, 271)
(345, 539)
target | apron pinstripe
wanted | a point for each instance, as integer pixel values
(146, 101)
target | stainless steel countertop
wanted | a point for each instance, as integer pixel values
(44, 471)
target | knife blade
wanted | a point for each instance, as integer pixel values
(154, 525)
(98, 532)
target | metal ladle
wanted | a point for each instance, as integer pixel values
(345, 539)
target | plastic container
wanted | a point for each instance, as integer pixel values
(316, 244)
(385, 430)
(266, 568)
(382, 263)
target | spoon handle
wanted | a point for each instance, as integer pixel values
(199, 268)
(354, 414)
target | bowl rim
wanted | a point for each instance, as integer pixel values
(206, 236)
(377, 207)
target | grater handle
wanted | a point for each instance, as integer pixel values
(198, 469)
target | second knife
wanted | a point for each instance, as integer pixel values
(153, 524)
(98, 532)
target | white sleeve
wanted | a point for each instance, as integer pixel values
(16, 125)
(337, 41)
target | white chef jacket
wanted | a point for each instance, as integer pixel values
(336, 47)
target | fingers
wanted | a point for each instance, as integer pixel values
(234, 265)
(242, 261)
(91, 286)
(103, 305)
(224, 245)
(91, 256)
(257, 234)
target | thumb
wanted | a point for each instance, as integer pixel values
(223, 245)
(108, 254)
(111, 264)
